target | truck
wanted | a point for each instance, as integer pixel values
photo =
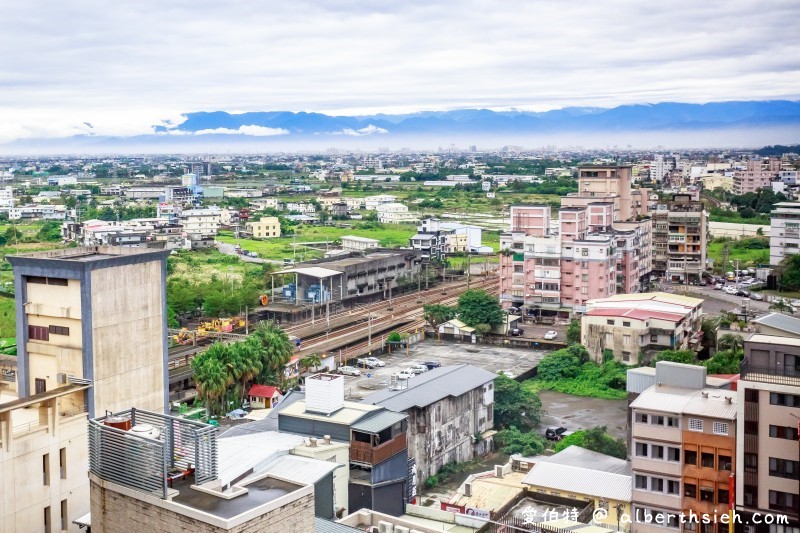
(557, 433)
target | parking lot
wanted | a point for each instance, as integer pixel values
(492, 358)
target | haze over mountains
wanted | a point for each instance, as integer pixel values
(735, 124)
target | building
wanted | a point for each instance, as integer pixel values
(767, 463)
(300, 207)
(436, 239)
(737, 231)
(353, 243)
(379, 464)
(601, 244)
(717, 181)
(61, 181)
(265, 228)
(784, 237)
(200, 224)
(683, 453)
(144, 193)
(395, 213)
(680, 230)
(660, 168)
(6, 197)
(639, 325)
(371, 203)
(264, 396)
(447, 408)
(159, 473)
(583, 477)
(778, 325)
(759, 174)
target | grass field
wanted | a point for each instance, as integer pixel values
(8, 322)
(201, 265)
(747, 257)
(389, 235)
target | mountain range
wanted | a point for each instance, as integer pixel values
(740, 123)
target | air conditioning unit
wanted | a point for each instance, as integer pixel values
(385, 527)
(61, 378)
(400, 529)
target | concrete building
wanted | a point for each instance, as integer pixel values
(660, 168)
(371, 203)
(784, 237)
(683, 451)
(680, 230)
(144, 193)
(265, 228)
(447, 408)
(353, 243)
(716, 181)
(436, 239)
(201, 223)
(300, 207)
(264, 203)
(778, 325)
(61, 181)
(631, 325)
(758, 174)
(6, 197)
(767, 462)
(395, 213)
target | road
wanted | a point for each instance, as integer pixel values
(717, 301)
(230, 249)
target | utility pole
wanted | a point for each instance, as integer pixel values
(246, 320)
(468, 269)
(426, 276)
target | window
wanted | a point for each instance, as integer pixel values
(707, 460)
(750, 495)
(751, 395)
(722, 496)
(750, 462)
(658, 452)
(62, 462)
(58, 330)
(783, 432)
(782, 501)
(673, 487)
(656, 484)
(724, 462)
(38, 333)
(674, 454)
(789, 400)
(720, 428)
(626, 324)
(707, 494)
(751, 427)
(64, 516)
(695, 424)
(47, 520)
(641, 449)
(641, 417)
(690, 525)
(46, 469)
(690, 457)
(653, 338)
(690, 490)
(641, 482)
(609, 322)
(626, 340)
(584, 251)
(783, 468)
(673, 422)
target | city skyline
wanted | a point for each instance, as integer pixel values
(82, 69)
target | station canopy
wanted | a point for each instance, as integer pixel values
(314, 272)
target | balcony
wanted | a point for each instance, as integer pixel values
(769, 374)
(365, 453)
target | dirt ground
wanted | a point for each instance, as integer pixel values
(576, 412)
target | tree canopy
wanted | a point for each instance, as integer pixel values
(479, 307)
(597, 440)
(514, 405)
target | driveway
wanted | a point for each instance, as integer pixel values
(230, 249)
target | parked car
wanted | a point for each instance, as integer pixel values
(417, 368)
(742, 293)
(375, 362)
(364, 363)
(404, 374)
(432, 364)
(756, 296)
(550, 335)
(557, 433)
(349, 371)
(719, 286)
(516, 332)
(730, 289)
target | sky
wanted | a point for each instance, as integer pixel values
(120, 68)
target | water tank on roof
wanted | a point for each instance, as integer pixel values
(118, 422)
(145, 430)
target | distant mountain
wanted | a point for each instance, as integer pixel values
(750, 123)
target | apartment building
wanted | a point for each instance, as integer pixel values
(6, 197)
(436, 239)
(91, 336)
(353, 243)
(371, 203)
(590, 252)
(683, 454)
(758, 174)
(784, 237)
(768, 452)
(201, 223)
(265, 228)
(680, 230)
(395, 213)
(643, 324)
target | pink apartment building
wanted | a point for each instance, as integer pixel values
(554, 269)
(758, 175)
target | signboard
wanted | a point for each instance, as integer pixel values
(452, 508)
(478, 513)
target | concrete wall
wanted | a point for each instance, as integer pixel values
(736, 231)
(128, 337)
(336, 452)
(23, 494)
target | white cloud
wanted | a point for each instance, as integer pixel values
(255, 131)
(368, 130)
(134, 66)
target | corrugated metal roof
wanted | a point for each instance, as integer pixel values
(780, 321)
(238, 455)
(432, 386)
(680, 375)
(299, 469)
(326, 526)
(676, 400)
(589, 482)
(591, 460)
(772, 339)
(314, 272)
(268, 423)
(640, 379)
(378, 422)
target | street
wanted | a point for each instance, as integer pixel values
(717, 301)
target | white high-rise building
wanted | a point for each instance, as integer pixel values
(6, 197)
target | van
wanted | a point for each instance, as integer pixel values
(730, 276)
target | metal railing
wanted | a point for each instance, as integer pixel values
(21, 429)
(769, 374)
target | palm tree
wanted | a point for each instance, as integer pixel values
(309, 362)
(781, 306)
(248, 361)
(210, 377)
(732, 342)
(276, 349)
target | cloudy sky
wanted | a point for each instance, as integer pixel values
(121, 67)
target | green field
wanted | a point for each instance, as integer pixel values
(738, 250)
(8, 322)
(389, 235)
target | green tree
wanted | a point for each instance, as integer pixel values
(687, 357)
(562, 364)
(482, 329)
(515, 405)
(211, 377)
(310, 362)
(527, 443)
(574, 331)
(479, 307)
(246, 363)
(725, 362)
(437, 314)
(50, 231)
(782, 306)
(13, 235)
(732, 342)
(597, 440)
(275, 351)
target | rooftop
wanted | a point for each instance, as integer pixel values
(349, 414)
(432, 386)
(782, 322)
(491, 492)
(358, 239)
(100, 255)
(772, 339)
(712, 403)
(580, 480)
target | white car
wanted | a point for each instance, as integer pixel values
(417, 369)
(374, 361)
(349, 371)
(404, 374)
(730, 289)
(550, 335)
